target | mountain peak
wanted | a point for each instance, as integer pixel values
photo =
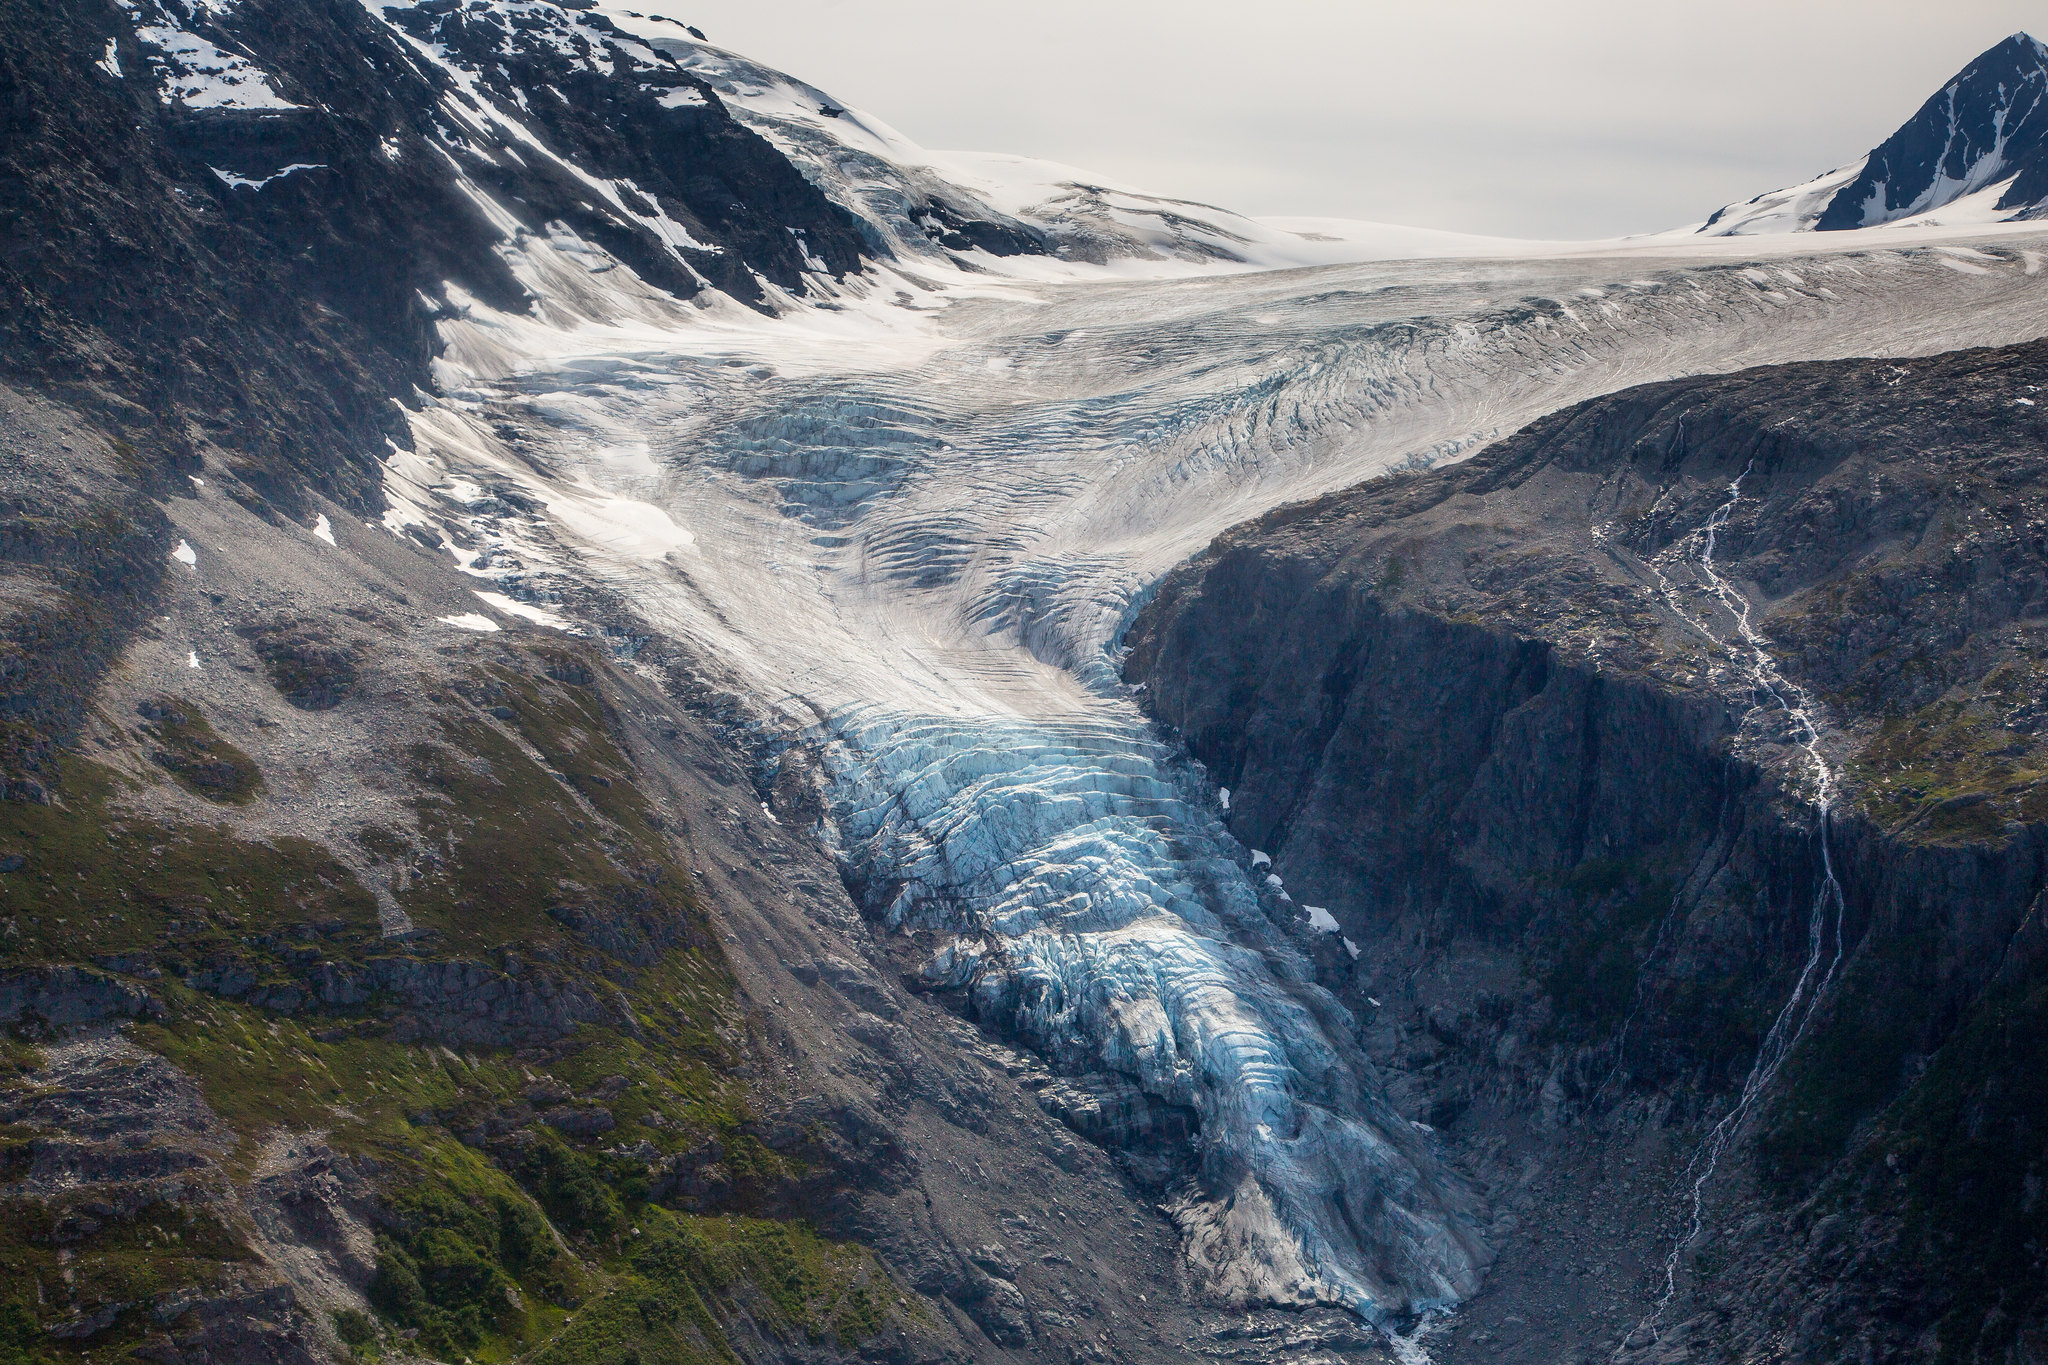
(1988, 126)
(1983, 137)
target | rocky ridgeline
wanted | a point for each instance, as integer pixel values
(236, 225)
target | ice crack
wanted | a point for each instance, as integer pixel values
(1098, 912)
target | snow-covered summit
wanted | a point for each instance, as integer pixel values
(1011, 215)
(1977, 152)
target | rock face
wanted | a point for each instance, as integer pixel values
(1982, 138)
(1988, 125)
(43, 998)
(1546, 738)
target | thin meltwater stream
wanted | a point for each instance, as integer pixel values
(909, 537)
(1824, 921)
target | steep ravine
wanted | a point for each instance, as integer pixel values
(1489, 720)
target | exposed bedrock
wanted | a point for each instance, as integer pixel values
(1499, 723)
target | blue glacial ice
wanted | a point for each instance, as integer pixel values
(907, 528)
(1094, 907)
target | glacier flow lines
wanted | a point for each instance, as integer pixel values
(1773, 692)
(910, 535)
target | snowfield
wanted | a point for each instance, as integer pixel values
(906, 518)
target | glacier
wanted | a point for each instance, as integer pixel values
(910, 535)
(904, 517)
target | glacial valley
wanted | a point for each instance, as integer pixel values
(645, 723)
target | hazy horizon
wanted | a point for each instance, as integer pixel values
(1586, 118)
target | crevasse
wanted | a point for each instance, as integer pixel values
(907, 533)
(1097, 911)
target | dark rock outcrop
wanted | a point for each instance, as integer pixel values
(1987, 125)
(1499, 722)
(38, 998)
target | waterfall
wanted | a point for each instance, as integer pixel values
(1824, 920)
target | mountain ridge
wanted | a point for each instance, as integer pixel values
(570, 796)
(1986, 129)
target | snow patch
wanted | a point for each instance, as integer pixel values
(471, 620)
(323, 528)
(198, 75)
(616, 525)
(512, 606)
(243, 182)
(185, 554)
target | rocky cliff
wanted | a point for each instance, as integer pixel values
(387, 969)
(1666, 786)
(418, 935)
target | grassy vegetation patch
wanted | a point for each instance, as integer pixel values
(685, 1277)
(185, 746)
(536, 821)
(496, 1246)
(88, 880)
(469, 1261)
(1955, 772)
(260, 1071)
(357, 1330)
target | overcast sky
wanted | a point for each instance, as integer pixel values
(1533, 118)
